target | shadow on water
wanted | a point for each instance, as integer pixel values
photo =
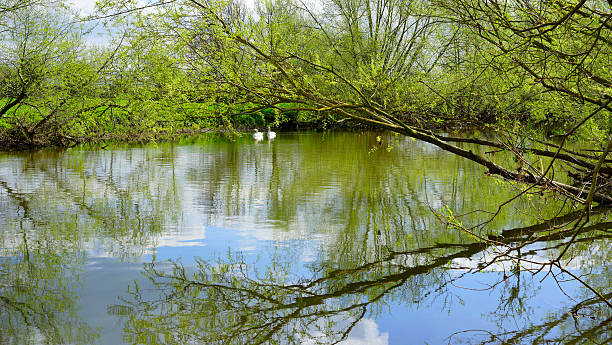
(302, 240)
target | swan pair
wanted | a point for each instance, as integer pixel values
(259, 135)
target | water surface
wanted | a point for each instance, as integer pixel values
(309, 238)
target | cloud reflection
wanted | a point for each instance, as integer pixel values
(366, 333)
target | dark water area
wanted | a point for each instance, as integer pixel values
(311, 238)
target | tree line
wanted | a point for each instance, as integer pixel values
(169, 66)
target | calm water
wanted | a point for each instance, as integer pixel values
(311, 238)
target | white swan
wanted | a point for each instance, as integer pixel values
(271, 135)
(257, 135)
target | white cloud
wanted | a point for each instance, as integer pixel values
(366, 333)
(86, 6)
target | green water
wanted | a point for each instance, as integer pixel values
(309, 238)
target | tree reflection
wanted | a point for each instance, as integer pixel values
(231, 302)
(38, 303)
(71, 201)
(584, 323)
(57, 209)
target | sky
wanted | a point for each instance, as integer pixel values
(86, 6)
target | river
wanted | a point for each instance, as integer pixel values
(309, 238)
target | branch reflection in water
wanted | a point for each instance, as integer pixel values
(231, 302)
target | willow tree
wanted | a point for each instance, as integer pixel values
(49, 79)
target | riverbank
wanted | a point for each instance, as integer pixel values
(18, 140)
